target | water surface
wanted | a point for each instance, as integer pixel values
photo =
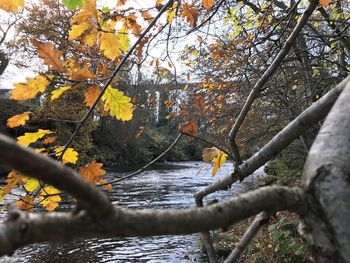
(157, 189)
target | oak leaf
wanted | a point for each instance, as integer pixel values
(93, 173)
(11, 5)
(77, 30)
(69, 156)
(113, 45)
(49, 54)
(171, 13)
(26, 203)
(208, 154)
(190, 13)
(13, 178)
(117, 104)
(57, 93)
(83, 73)
(31, 88)
(31, 137)
(73, 4)
(324, 3)
(49, 198)
(91, 95)
(208, 4)
(18, 120)
(190, 127)
(49, 140)
(32, 184)
(218, 161)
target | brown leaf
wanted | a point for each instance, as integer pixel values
(91, 95)
(324, 3)
(208, 154)
(190, 13)
(49, 140)
(26, 203)
(49, 54)
(190, 128)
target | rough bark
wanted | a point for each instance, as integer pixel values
(315, 113)
(326, 179)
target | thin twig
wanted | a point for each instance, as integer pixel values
(145, 166)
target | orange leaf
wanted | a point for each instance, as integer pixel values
(121, 2)
(191, 14)
(18, 120)
(49, 140)
(208, 4)
(49, 54)
(83, 73)
(93, 173)
(138, 135)
(190, 128)
(26, 203)
(324, 3)
(91, 95)
(13, 178)
(31, 88)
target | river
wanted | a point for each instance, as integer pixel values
(158, 189)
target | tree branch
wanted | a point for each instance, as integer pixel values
(33, 164)
(26, 228)
(267, 74)
(315, 113)
(247, 237)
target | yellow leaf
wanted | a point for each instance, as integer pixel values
(90, 38)
(57, 93)
(91, 95)
(26, 203)
(118, 104)
(70, 155)
(32, 184)
(218, 161)
(30, 137)
(93, 173)
(208, 4)
(171, 13)
(77, 30)
(49, 54)
(114, 45)
(18, 120)
(11, 5)
(208, 154)
(49, 197)
(29, 90)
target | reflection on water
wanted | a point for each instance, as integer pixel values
(158, 189)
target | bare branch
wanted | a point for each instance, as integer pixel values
(267, 74)
(315, 113)
(247, 237)
(25, 228)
